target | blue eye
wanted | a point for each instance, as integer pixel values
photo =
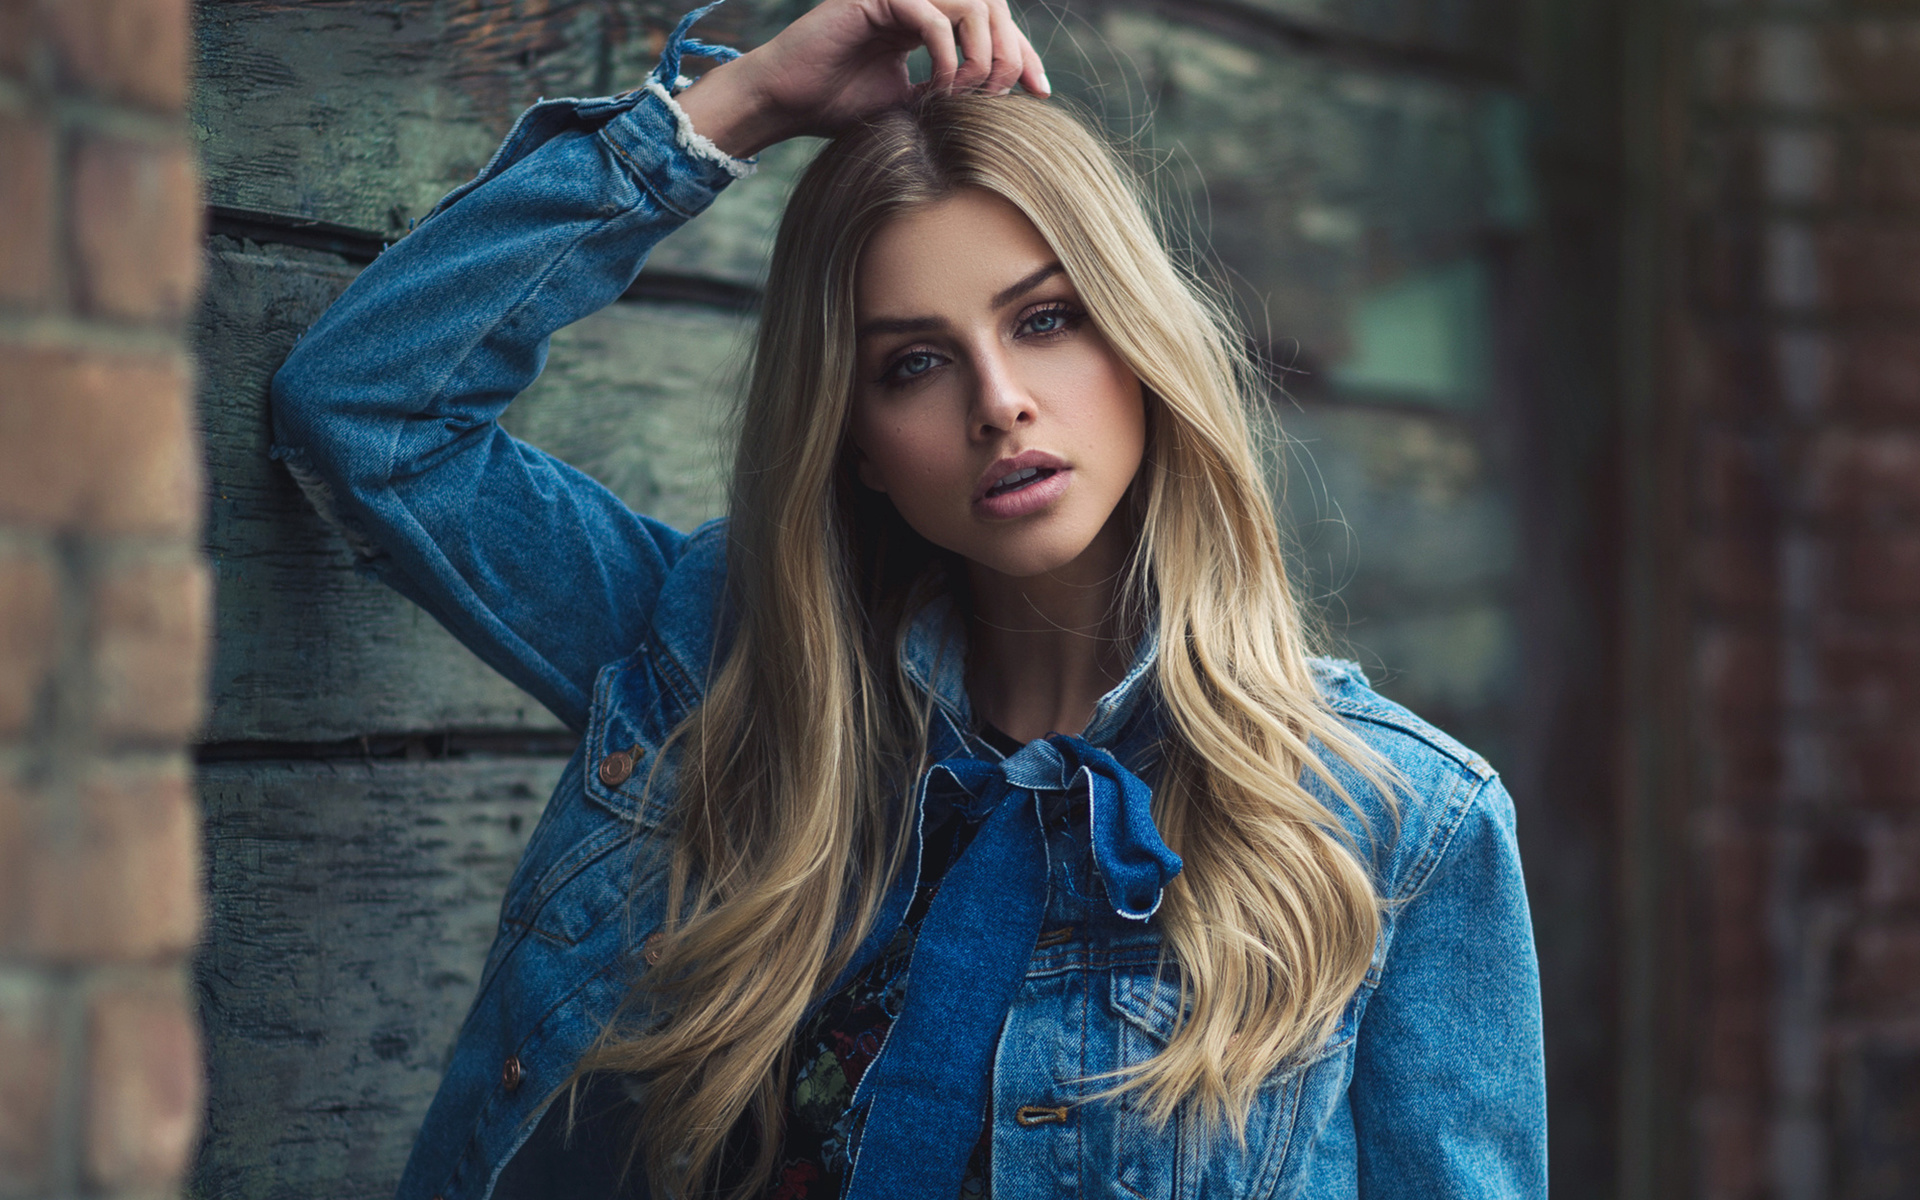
(911, 366)
(1049, 321)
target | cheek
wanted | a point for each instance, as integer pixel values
(900, 455)
(1110, 405)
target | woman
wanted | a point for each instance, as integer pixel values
(964, 814)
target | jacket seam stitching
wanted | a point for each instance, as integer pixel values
(1437, 845)
(639, 175)
(1469, 762)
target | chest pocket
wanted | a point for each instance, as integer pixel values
(628, 724)
(1183, 1159)
(605, 822)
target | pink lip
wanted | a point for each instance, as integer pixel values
(1031, 498)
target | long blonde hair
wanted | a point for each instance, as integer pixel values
(790, 824)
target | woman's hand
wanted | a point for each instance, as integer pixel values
(848, 58)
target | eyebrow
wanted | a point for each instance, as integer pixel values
(1001, 299)
(1008, 295)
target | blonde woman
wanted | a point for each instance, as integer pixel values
(964, 815)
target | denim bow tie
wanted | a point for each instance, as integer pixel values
(926, 1094)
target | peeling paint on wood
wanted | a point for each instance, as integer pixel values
(351, 905)
(1311, 183)
(365, 114)
(311, 651)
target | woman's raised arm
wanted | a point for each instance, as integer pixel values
(387, 410)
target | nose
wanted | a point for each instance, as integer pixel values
(1001, 402)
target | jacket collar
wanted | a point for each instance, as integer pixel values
(933, 654)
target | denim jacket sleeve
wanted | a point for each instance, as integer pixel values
(387, 410)
(1448, 1092)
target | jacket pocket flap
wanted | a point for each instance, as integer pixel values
(624, 771)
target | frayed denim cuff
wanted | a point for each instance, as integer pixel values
(666, 82)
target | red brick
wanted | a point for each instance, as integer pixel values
(1737, 962)
(1835, 862)
(18, 19)
(1870, 674)
(1890, 169)
(144, 1086)
(1877, 571)
(1732, 1149)
(1745, 764)
(1737, 479)
(29, 636)
(151, 626)
(1727, 265)
(1738, 572)
(27, 236)
(1867, 475)
(1773, 65)
(136, 228)
(29, 1071)
(1774, 168)
(1893, 865)
(125, 49)
(18, 825)
(1880, 375)
(1871, 64)
(1739, 670)
(1877, 972)
(97, 442)
(1868, 268)
(118, 878)
(1879, 768)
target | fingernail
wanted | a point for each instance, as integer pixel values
(1044, 85)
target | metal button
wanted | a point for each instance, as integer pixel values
(1029, 1115)
(615, 768)
(651, 952)
(511, 1073)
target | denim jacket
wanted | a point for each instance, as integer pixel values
(386, 412)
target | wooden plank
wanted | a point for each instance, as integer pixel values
(351, 905)
(309, 650)
(1404, 530)
(365, 112)
(1395, 507)
(639, 397)
(1474, 34)
(1317, 185)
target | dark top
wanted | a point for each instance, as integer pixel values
(833, 1048)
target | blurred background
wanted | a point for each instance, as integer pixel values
(1594, 336)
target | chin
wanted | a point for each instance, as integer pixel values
(1025, 557)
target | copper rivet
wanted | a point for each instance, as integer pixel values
(615, 768)
(652, 951)
(511, 1073)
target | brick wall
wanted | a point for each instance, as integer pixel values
(1799, 376)
(104, 599)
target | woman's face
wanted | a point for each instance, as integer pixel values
(986, 405)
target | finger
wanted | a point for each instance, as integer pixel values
(1033, 73)
(936, 34)
(1008, 51)
(976, 42)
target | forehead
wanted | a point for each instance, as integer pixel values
(947, 255)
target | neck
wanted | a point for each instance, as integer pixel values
(1042, 650)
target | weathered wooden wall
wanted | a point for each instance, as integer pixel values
(1361, 174)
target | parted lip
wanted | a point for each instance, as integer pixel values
(1019, 462)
